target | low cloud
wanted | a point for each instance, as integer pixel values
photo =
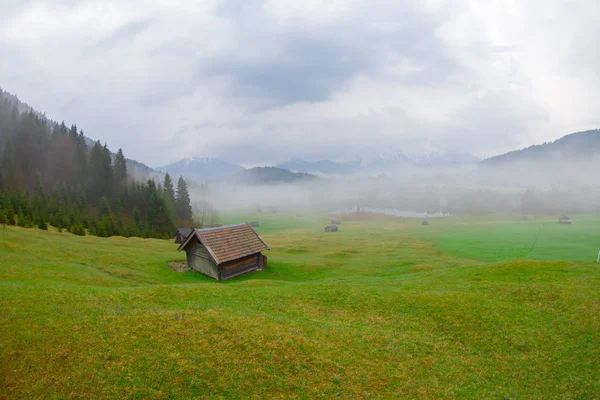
(257, 82)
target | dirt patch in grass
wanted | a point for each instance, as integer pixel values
(179, 266)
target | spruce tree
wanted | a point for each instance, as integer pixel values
(120, 167)
(104, 208)
(182, 201)
(168, 188)
(10, 215)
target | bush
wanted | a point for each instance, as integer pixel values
(42, 225)
(21, 220)
(101, 230)
(9, 214)
(78, 229)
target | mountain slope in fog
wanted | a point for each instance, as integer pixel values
(269, 176)
(136, 169)
(574, 147)
(202, 169)
(324, 167)
(387, 159)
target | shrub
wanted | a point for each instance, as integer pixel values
(10, 215)
(78, 229)
(21, 220)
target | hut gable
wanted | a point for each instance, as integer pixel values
(182, 234)
(233, 249)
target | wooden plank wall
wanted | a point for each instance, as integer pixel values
(240, 266)
(199, 259)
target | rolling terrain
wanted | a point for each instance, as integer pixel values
(466, 308)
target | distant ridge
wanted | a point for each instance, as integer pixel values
(269, 176)
(202, 169)
(326, 167)
(572, 147)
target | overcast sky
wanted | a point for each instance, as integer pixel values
(257, 82)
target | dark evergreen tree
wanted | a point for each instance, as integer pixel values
(182, 202)
(104, 209)
(120, 167)
(168, 188)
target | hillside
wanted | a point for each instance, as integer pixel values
(382, 309)
(269, 176)
(137, 170)
(51, 174)
(324, 167)
(578, 146)
(378, 162)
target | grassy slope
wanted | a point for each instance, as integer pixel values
(382, 309)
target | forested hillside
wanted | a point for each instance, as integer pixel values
(49, 175)
(573, 147)
(268, 176)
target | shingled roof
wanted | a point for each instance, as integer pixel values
(185, 232)
(227, 243)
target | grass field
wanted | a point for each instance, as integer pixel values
(473, 308)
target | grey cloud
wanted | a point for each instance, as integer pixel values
(124, 32)
(233, 81)
(312, 64)
(498, 121)
(306, 69)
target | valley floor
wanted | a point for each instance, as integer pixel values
(474, 308)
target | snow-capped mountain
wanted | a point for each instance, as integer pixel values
(201, 169)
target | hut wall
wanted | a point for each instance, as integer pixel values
(240, 266)
(200, 260)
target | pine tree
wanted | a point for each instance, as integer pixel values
(10, 215)
(120, 167)
(104, 208)
(73, 134)
(182, 201)
(168, 188)
(137, 218)
(169, 196)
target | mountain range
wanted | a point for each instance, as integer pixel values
(206, 169)
(580, 146)
(573, 147)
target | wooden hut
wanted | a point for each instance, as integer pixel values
(331, 228)
(226, 251)
(182, 234)
(563, 219)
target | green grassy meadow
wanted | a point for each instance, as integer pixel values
(466, 308)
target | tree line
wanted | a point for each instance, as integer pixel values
(50, 176)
